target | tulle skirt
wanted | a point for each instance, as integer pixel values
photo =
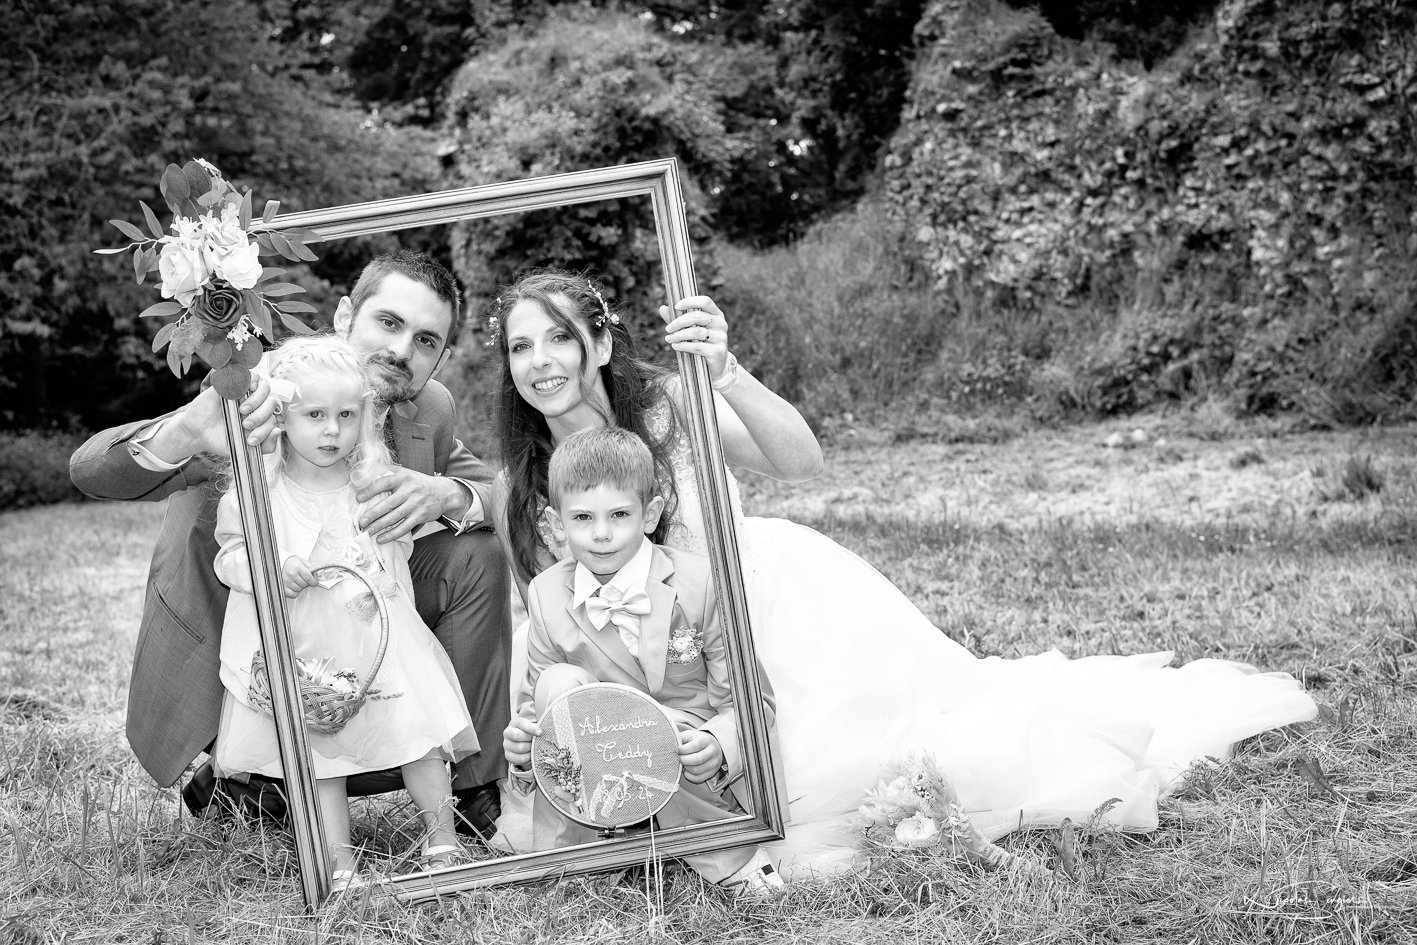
(417, 706)
(862, 678)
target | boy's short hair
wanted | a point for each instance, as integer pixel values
(610, 456)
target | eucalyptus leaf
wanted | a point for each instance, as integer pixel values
(209, 199)
(174, 361)
(278, 289)
(163, 336)
(301, 234)
(261, 318)
(167, 307)
(216, 355)
(111, 251)
(174, 186)
(269, 214)
(198, 179)
(282, 246)
(293, 307)
(245, 217)
(248, 355)
(130, 231)
(232, 381)
(139, 270)
(295, 325)
(153, 224)
(302, 252)
(268, 248)
(269, 272)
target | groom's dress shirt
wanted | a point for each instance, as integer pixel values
(472, 518)
(628, 585)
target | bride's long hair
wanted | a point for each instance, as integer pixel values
(634, 387)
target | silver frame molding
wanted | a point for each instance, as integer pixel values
(660, 181)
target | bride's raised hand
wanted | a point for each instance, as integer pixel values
(698, 327)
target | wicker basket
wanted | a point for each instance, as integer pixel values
(327, 710)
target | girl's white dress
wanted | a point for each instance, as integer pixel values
(862, 677)
(418, 706)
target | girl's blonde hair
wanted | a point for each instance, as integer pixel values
(303, 355)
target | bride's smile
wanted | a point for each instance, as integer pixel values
(549, 367)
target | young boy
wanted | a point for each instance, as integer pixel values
(602, 504)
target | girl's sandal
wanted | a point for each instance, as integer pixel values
(442, 856)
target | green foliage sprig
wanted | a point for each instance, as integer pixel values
(211, 275)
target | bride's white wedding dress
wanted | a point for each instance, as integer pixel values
(862, 677)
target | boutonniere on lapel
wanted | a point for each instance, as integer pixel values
(686, 642)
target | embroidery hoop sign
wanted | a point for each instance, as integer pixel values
(608, 756)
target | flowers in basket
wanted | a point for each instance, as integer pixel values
(211, 276)
(916, 803)
(318, 672)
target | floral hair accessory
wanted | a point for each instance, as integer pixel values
(211, 275)
(282, 389)
(606, 317)
(494, 330)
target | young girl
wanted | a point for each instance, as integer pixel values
(415, 717)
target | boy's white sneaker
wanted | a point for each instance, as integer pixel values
(757, 878)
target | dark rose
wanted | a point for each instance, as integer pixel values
(219, 306)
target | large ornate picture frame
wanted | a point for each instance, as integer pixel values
(659, 181)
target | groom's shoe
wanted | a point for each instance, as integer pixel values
(478, 810)
(211, 798)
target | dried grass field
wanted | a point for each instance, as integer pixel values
(1292, 551)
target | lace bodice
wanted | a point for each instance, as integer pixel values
(686, 531)
(335, 511)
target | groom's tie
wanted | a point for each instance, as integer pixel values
(389, 439)
(609, 605)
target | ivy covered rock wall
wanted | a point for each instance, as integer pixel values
(1244, 213)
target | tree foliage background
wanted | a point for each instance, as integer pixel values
(1139, 201)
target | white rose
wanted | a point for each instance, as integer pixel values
(240, 266)
(224, 232)
(184, 272)
(872, 810)
(188, 231)
(917, 830)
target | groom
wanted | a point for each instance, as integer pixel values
(405, 314)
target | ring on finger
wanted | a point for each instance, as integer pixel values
(278, 409)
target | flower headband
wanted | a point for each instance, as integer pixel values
(606, 317)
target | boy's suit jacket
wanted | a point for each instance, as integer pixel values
(174, 698)
(696, 694)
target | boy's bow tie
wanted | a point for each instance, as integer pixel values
(610, 606)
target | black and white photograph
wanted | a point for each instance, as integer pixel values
(599, 471)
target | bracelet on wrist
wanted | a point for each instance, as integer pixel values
(729, 377)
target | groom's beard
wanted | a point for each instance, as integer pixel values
(394, 379)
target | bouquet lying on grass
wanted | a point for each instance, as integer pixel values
(914, 807)
(211, 274)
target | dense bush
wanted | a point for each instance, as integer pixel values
(97, 98)
(34, 469)
(1246, 213)
(582, 91)
(839, 322)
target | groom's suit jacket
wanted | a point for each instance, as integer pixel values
(174, 698)
(696, 694)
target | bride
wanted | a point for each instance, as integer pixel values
(861, 676)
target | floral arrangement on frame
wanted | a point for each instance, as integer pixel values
(211, 275)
